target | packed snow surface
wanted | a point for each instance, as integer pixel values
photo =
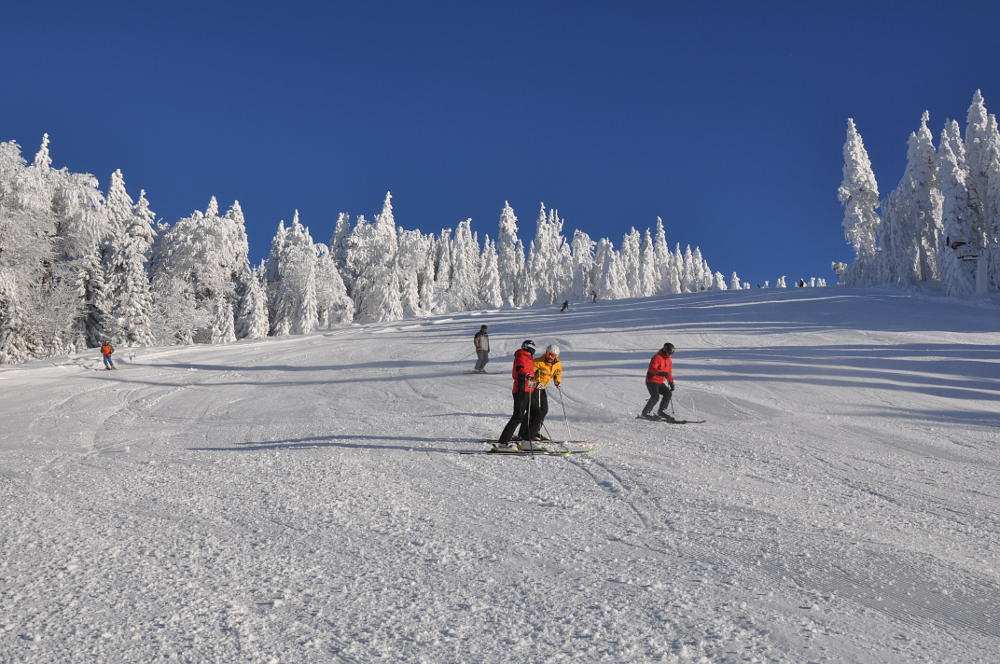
(304, 500)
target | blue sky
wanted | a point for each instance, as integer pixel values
(724, 118)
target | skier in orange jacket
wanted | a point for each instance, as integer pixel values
(106, 351)
(659, 376)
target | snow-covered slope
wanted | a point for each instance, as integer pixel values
(304, 499)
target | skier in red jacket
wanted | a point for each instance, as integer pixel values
(523, 373)
(659, 375)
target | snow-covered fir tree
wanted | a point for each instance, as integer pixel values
(333, 305)
(956, 215)
(582, 251)
(858, 193)
(490, 291)
(127, 288)
(510, 257)
(648, 280)
(631, 261)
(464, 286)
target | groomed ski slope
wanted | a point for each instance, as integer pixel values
(303, 499)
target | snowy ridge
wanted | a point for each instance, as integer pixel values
(302, 499)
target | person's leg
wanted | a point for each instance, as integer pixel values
(486, 359)
(479, 361)
(516, 419)
(665, 402)
(530, 415)
(539, 409)
(654, 396)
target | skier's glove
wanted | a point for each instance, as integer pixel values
(672, 388)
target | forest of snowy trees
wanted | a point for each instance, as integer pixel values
(78, 265)
(941, 225)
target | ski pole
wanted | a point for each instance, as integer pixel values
(562, 402)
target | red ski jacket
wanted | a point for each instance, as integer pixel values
(523, 372)
(106, 350)
(660, 362)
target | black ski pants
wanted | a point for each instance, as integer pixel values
(656, 390)
(536, 416)
(519, 418)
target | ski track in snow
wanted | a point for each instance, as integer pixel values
(303, 499)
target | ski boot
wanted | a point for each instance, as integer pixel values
(510, 447)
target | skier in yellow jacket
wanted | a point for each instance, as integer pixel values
(548, 369)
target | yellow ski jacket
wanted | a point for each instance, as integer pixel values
(546, 371)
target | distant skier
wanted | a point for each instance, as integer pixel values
(593, 294)
(106, 351)
(565, 306)
(482, 343)
(523, 373)
(659, 375)
(548, 369)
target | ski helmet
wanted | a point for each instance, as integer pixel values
(668, 348)
(552, 348)
(529, 346)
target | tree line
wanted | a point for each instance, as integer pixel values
(79, 265)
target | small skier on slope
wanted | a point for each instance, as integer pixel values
(659, 375)
(565, 306)
(548, 369)
(523, 373)
(106, 352)
(482, 343)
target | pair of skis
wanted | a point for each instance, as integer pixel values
(542, 449)
(667, 420)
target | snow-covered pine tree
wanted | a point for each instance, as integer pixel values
(223, 329)
(858, 193)
(510, 257)
(647, 267)
(339, 245)
(333, 305)
(251, 318)
(734, 282)
(913, 214)
(602, 255)
(464, 290)
(719, 282)
(409, 260)
(81, 221)
(582, 251)
(956, 214)
(299, 278)
(980, 160)
(613, 281)
(780, 283)
(490, 291)
(279, 317)
(543, 264)
(377, 288)
(662, 258)
(425, 277)
(126, 280)
(689, 275)
(631, 262)
(698, 270)
(442, 268)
